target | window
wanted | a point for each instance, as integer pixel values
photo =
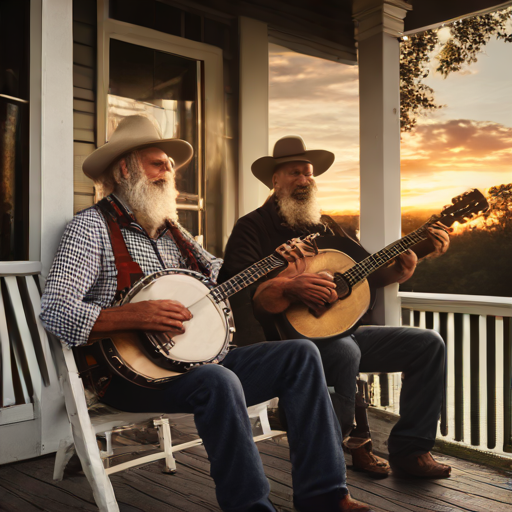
(178, 83)
(14, 135)
(167, 89)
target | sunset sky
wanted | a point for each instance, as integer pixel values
(466, 144)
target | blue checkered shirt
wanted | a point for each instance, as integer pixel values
(83, 278)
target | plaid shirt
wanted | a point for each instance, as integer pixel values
(83, 277)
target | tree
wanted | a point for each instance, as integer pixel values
(467, 37)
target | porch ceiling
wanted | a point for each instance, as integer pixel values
(328, 22)
(426, 13)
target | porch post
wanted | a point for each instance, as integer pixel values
(379, 23)
(56, 124)
(253, 111)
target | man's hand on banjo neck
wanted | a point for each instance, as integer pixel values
(148, 315)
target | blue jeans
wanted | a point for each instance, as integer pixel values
(218, 396)
(418, 353)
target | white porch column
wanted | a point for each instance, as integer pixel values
(379, 23)
(56, 124)
(253, 111)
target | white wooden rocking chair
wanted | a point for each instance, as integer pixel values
(85, 429)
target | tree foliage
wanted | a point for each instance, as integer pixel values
(467, 38)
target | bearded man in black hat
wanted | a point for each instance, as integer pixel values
(138, 219)
(291, 211)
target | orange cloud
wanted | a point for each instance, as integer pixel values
(458, 144)
(299, 77)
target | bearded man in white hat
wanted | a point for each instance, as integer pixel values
(290, 211)
(91, 269)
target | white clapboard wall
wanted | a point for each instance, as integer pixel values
(32, 413)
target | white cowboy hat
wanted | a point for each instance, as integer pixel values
(135, 132)
(291, 149)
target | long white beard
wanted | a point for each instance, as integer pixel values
(152, 202)
(299, 214)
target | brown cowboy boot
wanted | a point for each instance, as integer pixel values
(363, 459)
(419, 466)
(328, 503)
(348, 503)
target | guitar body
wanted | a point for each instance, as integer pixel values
(342, 315)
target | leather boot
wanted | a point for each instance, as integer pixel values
(363, 459)
(325, 503)
(419, 466)
(349, 503)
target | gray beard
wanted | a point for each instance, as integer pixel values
(299, 214)
(152, 202)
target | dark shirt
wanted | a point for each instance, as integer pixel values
(257, 235)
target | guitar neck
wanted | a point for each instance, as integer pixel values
(246, 278)
(377, 260)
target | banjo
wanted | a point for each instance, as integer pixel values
(151, 359)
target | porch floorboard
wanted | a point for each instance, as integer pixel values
(27, 486)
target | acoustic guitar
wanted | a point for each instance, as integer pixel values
(341, 317)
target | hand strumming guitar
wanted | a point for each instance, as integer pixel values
(275, 295)
(316, 289)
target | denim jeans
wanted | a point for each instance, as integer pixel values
(218, 396)
(418, 353)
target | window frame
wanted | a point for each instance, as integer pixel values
(211, 102)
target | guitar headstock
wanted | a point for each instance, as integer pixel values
(463, 208)
(298, 248)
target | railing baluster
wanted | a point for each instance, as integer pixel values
(491, 382)
(474, 386)
(466, 379)
(397, 387)
(507, 384)
(450, 364)
(441, 326)
(422, 322)
(499, 363)
(482, 373)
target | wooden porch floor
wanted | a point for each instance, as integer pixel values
(27, 486)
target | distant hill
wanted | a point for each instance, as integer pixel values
(350, 223)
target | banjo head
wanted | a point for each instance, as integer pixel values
(207, 334)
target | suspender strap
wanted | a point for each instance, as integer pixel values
(128, 271)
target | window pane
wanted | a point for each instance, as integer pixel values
(163, 87)
(13, 182)
(131, 71)
(14, 48)
(190, 221)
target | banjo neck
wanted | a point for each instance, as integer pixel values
(246, 278)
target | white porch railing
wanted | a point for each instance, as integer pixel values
(478, 333)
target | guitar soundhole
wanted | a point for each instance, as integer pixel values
(343, 289)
